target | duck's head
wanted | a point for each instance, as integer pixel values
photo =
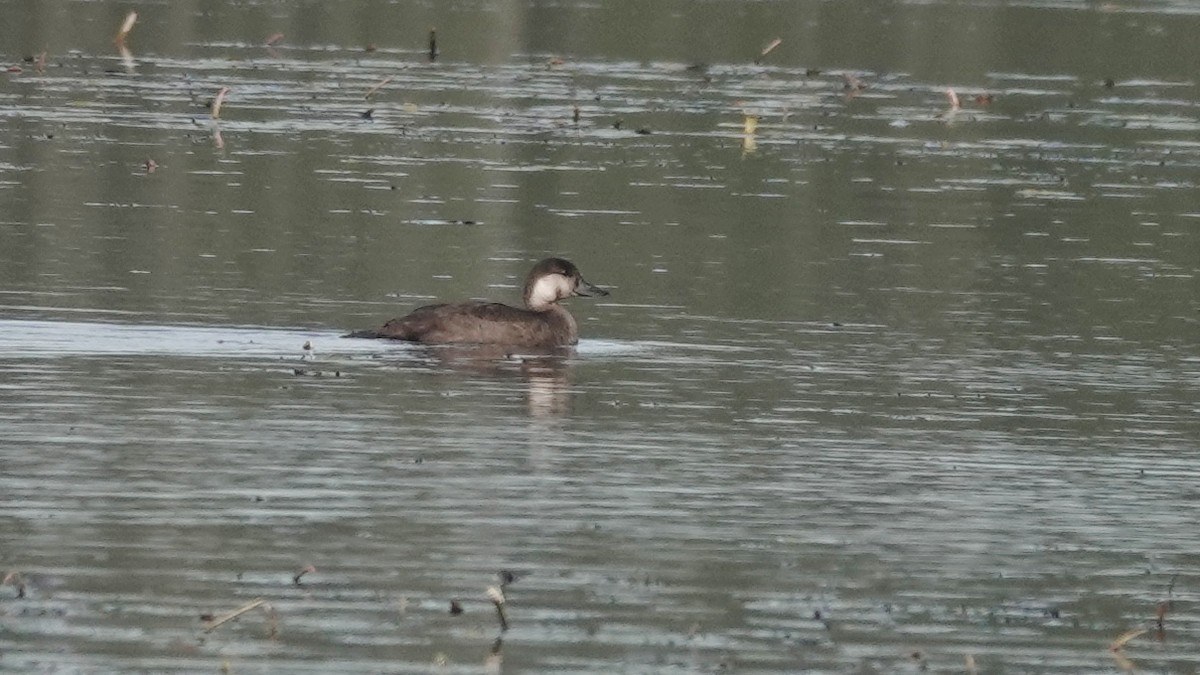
(554, 279)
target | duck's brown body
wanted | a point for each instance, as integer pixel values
(543, 323)
(484, 323)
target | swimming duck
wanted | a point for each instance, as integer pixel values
(542, 323)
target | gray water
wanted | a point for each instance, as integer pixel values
(883, 386)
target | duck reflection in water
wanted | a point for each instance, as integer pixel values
(546, 372)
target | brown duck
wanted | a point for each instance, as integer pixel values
(542, 323)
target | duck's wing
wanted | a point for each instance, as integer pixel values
(477, 322)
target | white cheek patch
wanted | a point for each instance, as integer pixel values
(549, 289)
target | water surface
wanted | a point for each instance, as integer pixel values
(882, 385)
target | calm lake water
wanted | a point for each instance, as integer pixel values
(883, 385)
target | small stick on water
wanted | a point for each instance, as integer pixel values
(497, 597)
(768, 49)
(433, 50)
(126, 26)
(372, 90)
(1124, 638)
(307, 568)
(226, 618)
(216, 105)
(17, 582)
(954, 104)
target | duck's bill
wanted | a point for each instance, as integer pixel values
(588, 290)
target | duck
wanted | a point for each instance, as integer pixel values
(542, 323)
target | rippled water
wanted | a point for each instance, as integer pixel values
(883, 385)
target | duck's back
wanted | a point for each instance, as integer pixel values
(483, 323)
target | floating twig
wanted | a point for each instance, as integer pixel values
(307, 568)
(216, 104)
(226, 618)
(126, 26)
(18, 583)
(433, 48)
(954, 104)
(497, 597)
(1124, 663)
(768, 49)
(377, 87)
(1124, 638)
(1114, 648)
